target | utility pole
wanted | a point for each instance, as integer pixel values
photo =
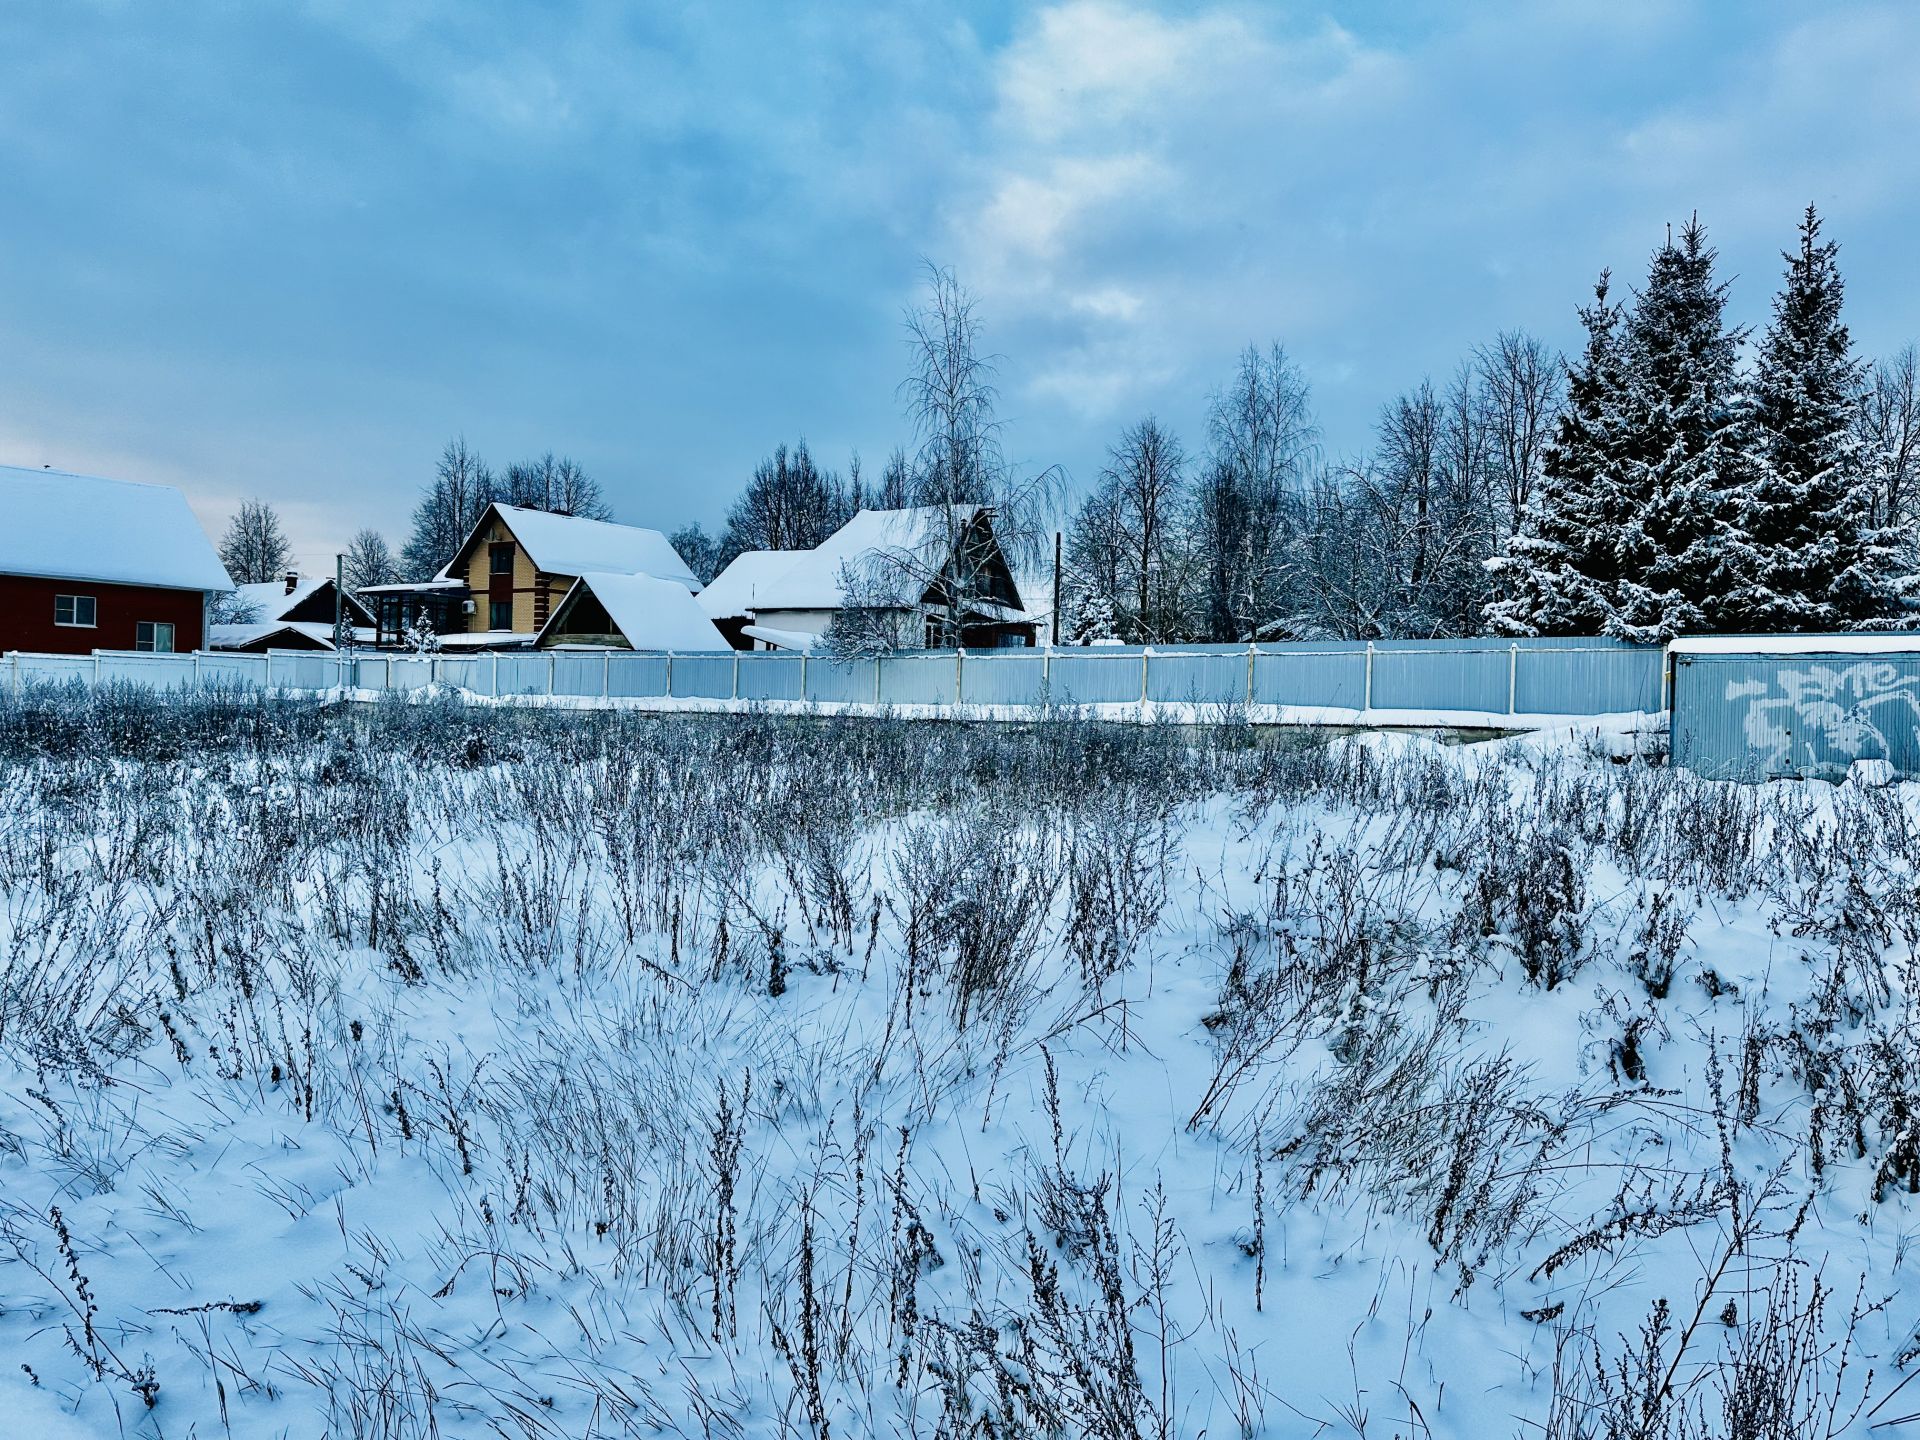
(1053, 634)
(342, 636)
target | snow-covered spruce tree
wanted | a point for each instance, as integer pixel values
(1687, 445)
(1560, 574)
(1806, 554)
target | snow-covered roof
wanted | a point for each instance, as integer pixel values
(80, 527)
(570, 545)
(238, 637)
(892, 545)
(271, 599)
(653, 614)
(1870, 644)
(735, 590)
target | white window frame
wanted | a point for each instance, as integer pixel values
(153, 629)
(93, 607)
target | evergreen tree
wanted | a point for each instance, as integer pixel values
(1808, 556)
(1560, 574)
(1685, 445)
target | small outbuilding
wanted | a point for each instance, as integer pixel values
(1763, 707)
(605, 611)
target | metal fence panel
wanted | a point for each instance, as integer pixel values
(1328, 676)
(1217, 678)
(1739, 717)
(233, 669)
(1453, 679)
(305, 670)
(468, 672)
(917, 679)
(578, 673)
(1095, 677)
(636, 676)
(706, 677)
(1002, 677)
(521, 674)
(770, 677)
(156, 672)
(840, 682)
(410, 673)
(1557, 680)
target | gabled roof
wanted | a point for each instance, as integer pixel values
(570, 545)
(894, 546)
(652, 614)
(735, 590)
(80, 527)
(238, 637)
(274, 601)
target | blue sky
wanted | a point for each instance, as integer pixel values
(289, 249)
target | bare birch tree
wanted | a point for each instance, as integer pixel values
(254, 548)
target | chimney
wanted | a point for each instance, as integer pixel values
(293, 581)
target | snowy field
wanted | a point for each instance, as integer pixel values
(417, 1070)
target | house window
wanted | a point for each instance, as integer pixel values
(154, 635)
(501, 558)
(73, 610)
(500, 615)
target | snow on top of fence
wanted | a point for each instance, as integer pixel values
(1877, 644)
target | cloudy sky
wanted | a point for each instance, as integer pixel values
(288, 250)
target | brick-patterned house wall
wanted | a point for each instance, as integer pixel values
(26, 615)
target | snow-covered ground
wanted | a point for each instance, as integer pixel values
(409, 1070)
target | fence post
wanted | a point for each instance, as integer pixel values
(96, 667)
(553, 659)
(669, 675)
(196, 669)
(606, 676)
(1046, 673)
(496, 674)
(1366, 699)
(736, 675)
(803, 674)
(1250, 655)
(389, 684)
(1143, 674)
(876, 680)
(1513, 674)
(959, 673)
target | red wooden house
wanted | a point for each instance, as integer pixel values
(89, 564)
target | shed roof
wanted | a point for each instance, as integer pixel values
(81, 527)
(274, 601)
(653, 614)
(735, 590)
(571, 545)
(1868, 643)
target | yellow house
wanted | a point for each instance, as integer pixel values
(518, 564)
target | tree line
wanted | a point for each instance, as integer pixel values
(1661, 482)
(1653, 487)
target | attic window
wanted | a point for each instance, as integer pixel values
(501, 559)
(73, 610)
